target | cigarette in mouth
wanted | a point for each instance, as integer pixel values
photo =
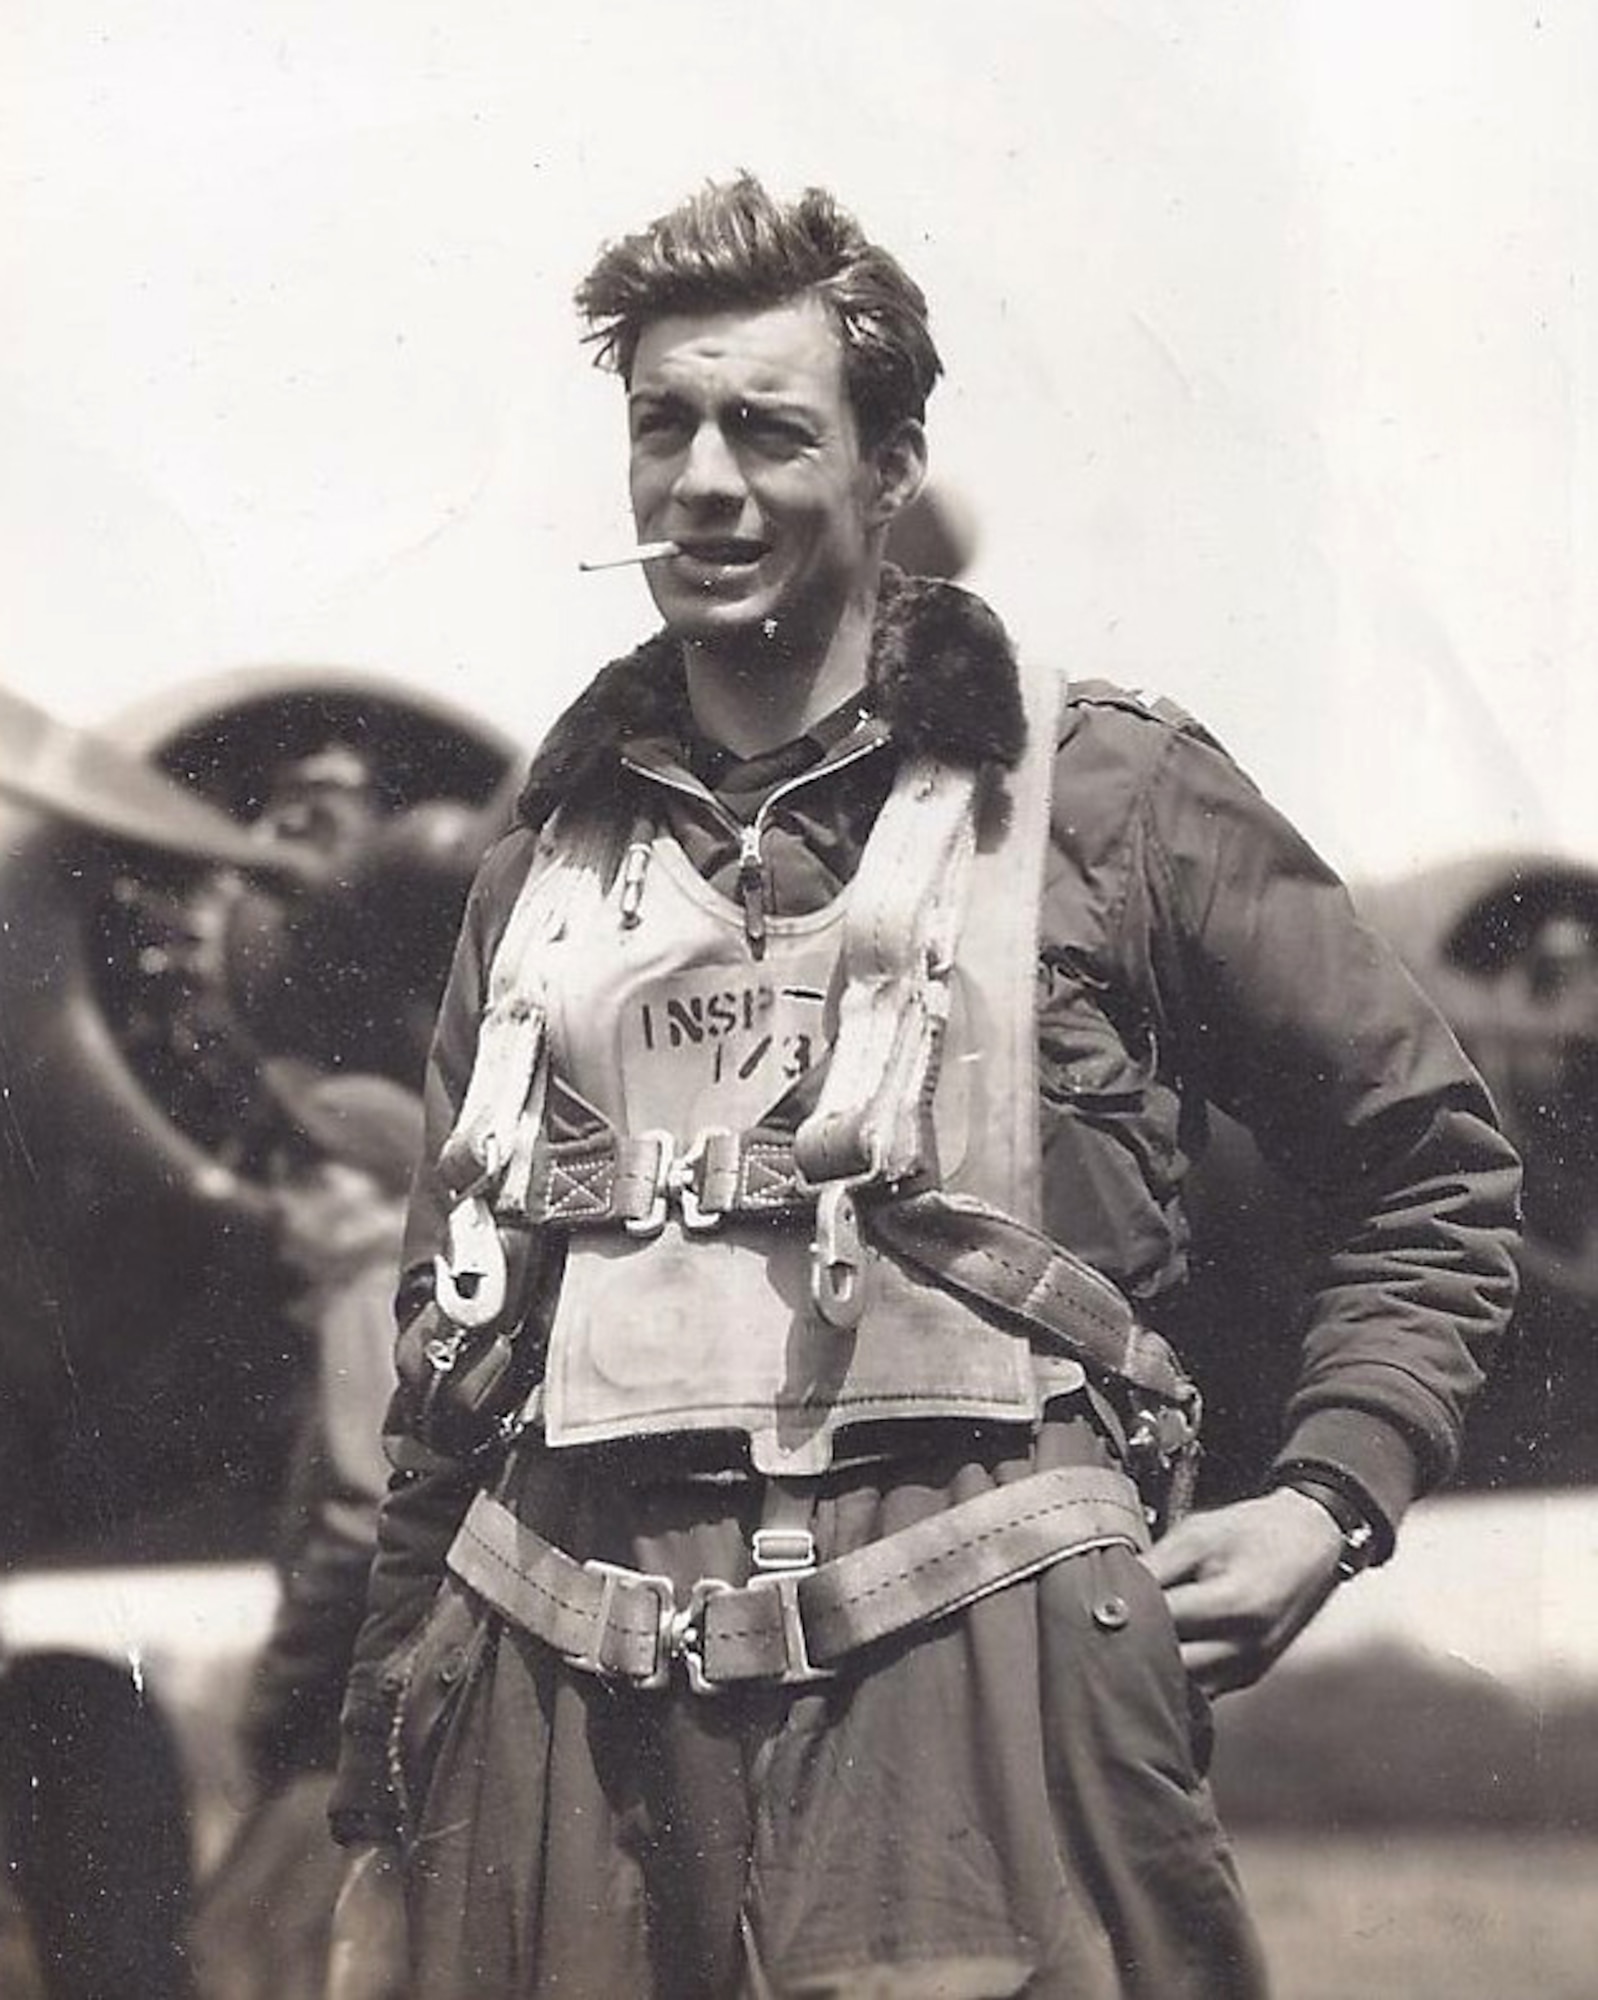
(646, 552)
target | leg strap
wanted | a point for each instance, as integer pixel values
(789, 1626)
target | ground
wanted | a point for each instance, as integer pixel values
(1395, 1915)
(1385, 1915)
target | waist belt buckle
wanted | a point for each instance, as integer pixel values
(678, 1634)
(611, 1577)
(783, 1558)
(682, 1636)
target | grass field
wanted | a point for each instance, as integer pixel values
(1381, 1916)
(1390, 1915)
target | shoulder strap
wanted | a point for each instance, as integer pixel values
(905, 906)
(496, 1131)
(908, 909)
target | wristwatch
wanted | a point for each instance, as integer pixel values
(1359, 1531)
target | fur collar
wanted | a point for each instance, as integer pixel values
(941, 674)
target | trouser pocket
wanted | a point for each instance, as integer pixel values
(1113, 1657)
(436, 1673)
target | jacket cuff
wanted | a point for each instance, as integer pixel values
(362, 1805)
(1372, 1461)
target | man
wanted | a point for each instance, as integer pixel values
(812, 1095)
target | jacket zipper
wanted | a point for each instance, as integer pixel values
(754, 878)
(753, 886)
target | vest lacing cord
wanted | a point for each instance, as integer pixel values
(796, 1622)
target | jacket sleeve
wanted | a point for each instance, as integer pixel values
(427, 1495)
(1290, 1013)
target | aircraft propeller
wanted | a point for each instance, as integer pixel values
(75, 774)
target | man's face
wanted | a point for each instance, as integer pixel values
(744, 451)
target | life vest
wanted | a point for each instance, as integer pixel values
(720, 1271)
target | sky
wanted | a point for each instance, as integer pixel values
(1268, 328)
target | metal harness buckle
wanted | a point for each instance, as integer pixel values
(679, 1633)
(783, 1557)
(611, 1575)
(675, 1175)
(683, 1637)
(783, 1549)
(799, 1668)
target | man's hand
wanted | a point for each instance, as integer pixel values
(1243, 1581)
(368, 1958)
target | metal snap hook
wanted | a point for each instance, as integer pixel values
(470, 1279)
(837, 1258)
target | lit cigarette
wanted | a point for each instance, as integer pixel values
(646, 552)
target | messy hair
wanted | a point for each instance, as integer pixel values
(733, 247)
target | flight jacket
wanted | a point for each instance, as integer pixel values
(1195, 953)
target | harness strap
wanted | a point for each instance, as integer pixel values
(489, 1148)
(561, 889)
(631, 1178)
(906, 901)
(964, 1245)
(787, 1626)
(974, 1249)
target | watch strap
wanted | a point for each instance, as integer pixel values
(1358, 1531)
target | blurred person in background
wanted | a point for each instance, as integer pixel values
(340, 1180)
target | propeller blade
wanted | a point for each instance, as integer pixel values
(82, 777)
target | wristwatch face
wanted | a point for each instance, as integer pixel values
(1359, 1545)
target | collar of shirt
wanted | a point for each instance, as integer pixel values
(743, 784)
(813, 839)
